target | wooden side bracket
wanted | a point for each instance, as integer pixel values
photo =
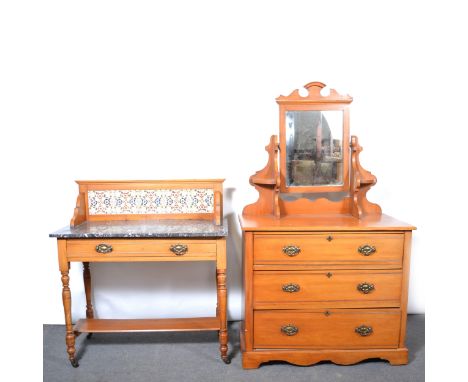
(267, 183)
(361, 182)
(218, 208)
(79, 214)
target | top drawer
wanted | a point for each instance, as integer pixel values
(129, 249)
(329, 248)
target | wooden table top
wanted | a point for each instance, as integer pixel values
(322, 223)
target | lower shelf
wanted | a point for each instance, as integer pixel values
(93, 325)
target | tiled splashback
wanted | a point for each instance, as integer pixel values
(145, 202)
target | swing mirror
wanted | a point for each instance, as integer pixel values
(314, 142)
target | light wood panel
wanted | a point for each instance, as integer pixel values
(247, 290)
(405, 286)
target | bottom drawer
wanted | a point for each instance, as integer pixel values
(335, 328)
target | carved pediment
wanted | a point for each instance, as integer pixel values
(314, 95)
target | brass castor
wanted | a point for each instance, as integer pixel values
(74, 363)
(226, 360)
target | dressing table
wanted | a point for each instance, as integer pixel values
(144, 221)
(325, 273)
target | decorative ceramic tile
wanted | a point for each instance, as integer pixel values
(145, 202)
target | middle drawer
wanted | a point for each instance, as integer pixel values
(335, 288)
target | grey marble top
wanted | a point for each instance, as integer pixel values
(143, 228)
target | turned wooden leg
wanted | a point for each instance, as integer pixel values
(70, 336)
(87, 287)
(221, 310)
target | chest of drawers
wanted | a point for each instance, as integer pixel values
(332, 292)
(325, 272)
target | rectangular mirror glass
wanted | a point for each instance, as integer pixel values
(314, 148)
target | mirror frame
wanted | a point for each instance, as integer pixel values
(314, 101)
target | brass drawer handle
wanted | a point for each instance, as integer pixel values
(104, 248)
(365, 287)
(364, 331)
(179, 249)
(290, 329)
(291, 250)
(367, 250)
(291, 288)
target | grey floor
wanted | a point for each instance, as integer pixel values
(134, 357)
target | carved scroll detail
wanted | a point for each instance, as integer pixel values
(267, 183)
(79, 214)
(314, 95)
(361, 182)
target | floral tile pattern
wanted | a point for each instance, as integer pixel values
(144, 202)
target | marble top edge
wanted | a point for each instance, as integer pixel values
(173, 181)
(143, 229)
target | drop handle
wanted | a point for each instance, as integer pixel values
(104, 248)
(290, 329)
(364, 330)
(179, 249)
(367, 250)
(365, 287)
(291, 288)
(291, 250)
